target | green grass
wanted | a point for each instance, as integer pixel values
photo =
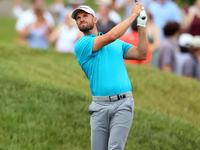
(45, 96)
(7, 30)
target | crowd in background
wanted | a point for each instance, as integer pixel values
(173, 32)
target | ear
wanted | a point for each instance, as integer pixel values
(95, 20)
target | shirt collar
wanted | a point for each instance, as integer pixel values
(93, 35)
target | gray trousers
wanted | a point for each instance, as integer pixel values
(110, 123)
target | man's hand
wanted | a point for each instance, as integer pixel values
(136, 9)
(142, 18)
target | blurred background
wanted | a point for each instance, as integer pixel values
(47, 25)
(44, 94)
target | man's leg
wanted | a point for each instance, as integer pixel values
(120, 125)
(99, 126)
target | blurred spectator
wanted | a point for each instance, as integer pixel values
(132, 38)
(184, 13)
(104, 24)
(37, 32)
(192, 21)
(153, 36)
(193, 8)
(145, 3)
(28, 17)
(182, 55)
(113, 15)
(191, 66)
(164, 11)
(72, 5)
(17, 9)
(167, 51)
(184, 40)
(56, 8)
(125, 6)
(65, 35)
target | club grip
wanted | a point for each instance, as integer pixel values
(143, 18)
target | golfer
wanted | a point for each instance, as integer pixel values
(101, 58)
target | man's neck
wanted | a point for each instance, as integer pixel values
(90, 32)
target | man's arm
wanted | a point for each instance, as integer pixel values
(140, 52)
(117, 31)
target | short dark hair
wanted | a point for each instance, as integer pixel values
(171, 28)
(134, 25)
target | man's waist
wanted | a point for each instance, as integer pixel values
(112, 98)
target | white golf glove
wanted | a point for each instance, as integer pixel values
(142, 18)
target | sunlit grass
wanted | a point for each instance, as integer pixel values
(44, 97)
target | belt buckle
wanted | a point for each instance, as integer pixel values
(119, 96)
(111, 99)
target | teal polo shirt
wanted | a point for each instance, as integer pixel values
(104, 68)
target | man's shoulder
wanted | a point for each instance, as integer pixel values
(84, 40)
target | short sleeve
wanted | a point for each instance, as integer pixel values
(83, 49)
(125, 48)
(188, 67)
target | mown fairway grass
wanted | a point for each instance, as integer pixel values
(44, 97)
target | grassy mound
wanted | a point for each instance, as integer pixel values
(44, 97)
(49, 117)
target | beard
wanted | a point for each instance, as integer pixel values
(86, 28)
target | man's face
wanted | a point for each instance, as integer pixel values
(85, 21)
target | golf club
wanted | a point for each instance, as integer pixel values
(143, 16)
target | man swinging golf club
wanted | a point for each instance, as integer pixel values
(101, 58)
